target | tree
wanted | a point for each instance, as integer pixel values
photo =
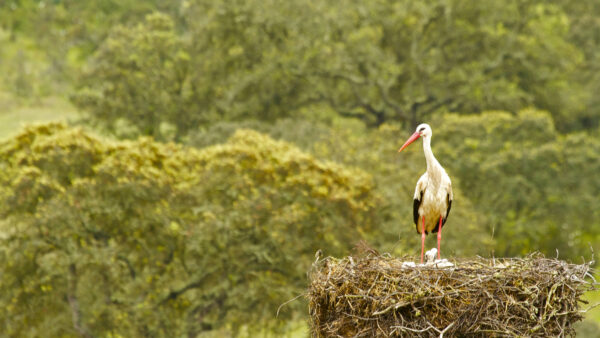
(375, 151)
(584, 33)
(378, 61)
(406, 60)
(519, 185)
(535, 186)
(146, 239)
(139, 78)
(388, 61)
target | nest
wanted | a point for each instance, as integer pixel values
(373, 295)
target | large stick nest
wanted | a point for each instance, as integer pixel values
(374, 295)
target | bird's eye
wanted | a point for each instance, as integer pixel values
(422, 128)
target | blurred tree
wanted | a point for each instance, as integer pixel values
(519, 185)
(22, 85)
(75, 23)
(538, 189)
(404, 60)
(378, 61)
(139, 78)
(375, 151)
(144, 239)
(382, 60)
(584, 32)
(15, 15)
(62, 34)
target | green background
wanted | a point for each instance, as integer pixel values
(190, 157)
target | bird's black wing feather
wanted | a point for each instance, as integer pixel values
(447, 211)
(416, 205)
(435, 230)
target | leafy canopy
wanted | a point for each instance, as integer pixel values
(379, 61)
(141, 238)
(537, 187)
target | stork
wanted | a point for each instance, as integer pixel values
(433, 194)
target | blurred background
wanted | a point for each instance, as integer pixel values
(188, 158)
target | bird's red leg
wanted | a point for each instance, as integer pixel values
(422, 239)
(439, 237)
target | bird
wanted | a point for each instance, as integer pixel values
(433, 193)
(430, 255)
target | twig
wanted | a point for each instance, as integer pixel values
(476, 297)
(289, 301)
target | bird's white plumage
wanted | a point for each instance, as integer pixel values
(434, 188)
(430, 255)
(433, 194)
(434, 200)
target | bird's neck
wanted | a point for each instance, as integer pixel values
(434, 168)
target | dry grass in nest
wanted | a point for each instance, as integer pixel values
(373, 295)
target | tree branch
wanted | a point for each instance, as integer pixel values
(129, 266)
(355, 82)
(436, 106)
(74, 303)
(174, 294)
(388, 101)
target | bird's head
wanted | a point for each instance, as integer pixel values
(423, 130)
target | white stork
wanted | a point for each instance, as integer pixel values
(433, 194)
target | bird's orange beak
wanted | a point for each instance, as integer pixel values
(410, 140)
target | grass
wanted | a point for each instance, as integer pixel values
(15, 114)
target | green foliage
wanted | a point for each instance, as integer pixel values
(519, 185)
(379, 61)
(78, 25)
(538, 188)
(406, 60)
(395, 175)
(25, 72)
(79, 211)
(46, 43)
(584, 32)
(139, 76)
(144, 239)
